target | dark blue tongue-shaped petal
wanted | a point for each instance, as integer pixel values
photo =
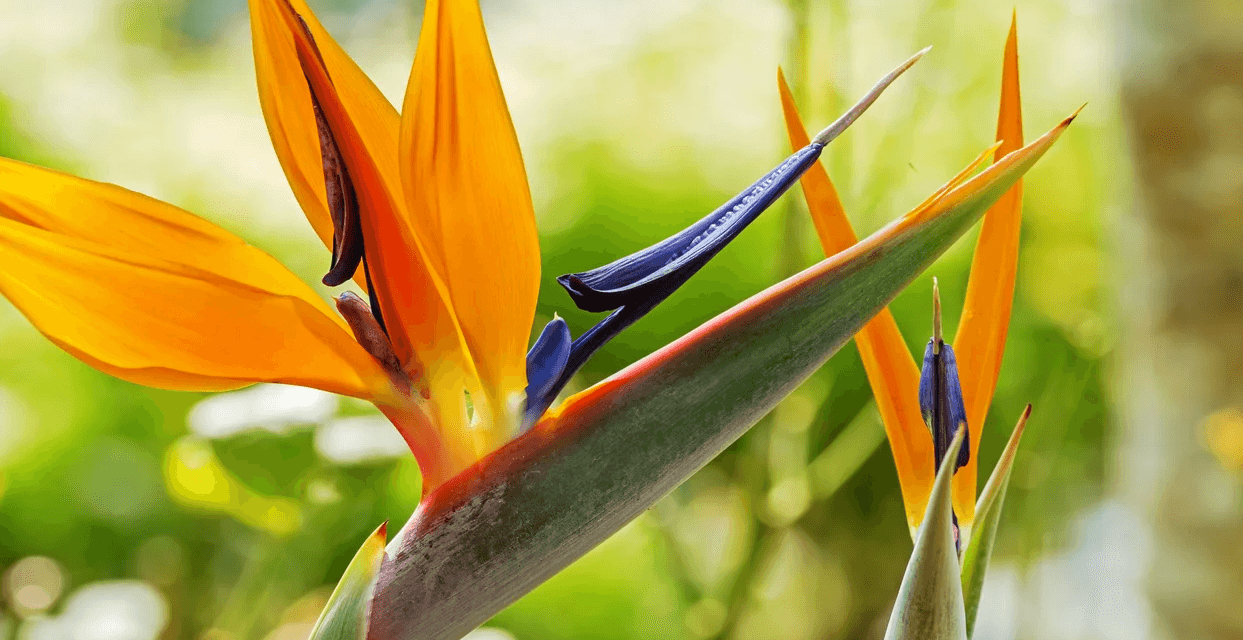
(546, 360)
(940, 400)
(655, 272)
(940, 392)
(634, 285)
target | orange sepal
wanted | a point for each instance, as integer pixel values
(467, 193)
(151, 294)
(981, 337)
(412, 296)
(286, 103)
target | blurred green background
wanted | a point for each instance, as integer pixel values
(129, 513)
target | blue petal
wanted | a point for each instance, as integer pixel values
(939, 388)
(657, 271)
(634, 285)
(545, 364)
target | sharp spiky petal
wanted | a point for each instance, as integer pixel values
(465, 187)
(981, 337)
(890, 368)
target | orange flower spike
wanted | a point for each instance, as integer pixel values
(286, 103)
(890, 367)
(467, 193)
(981, 338)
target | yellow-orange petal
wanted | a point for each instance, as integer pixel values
(981, 337)
(126, 221)
(888, 362)
(286, 103)
(174, 325)
(466, 190)
(412, 296)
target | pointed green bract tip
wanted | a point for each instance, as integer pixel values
(345, 615)
(930, 601)
(988, 517)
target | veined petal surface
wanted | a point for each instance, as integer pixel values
(175, 325)
(466, 190)
(130, 222)
(981, 337)
(286, 102)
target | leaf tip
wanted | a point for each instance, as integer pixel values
(832, 131)
(1071, 118)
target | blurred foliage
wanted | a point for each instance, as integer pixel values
(245, 534)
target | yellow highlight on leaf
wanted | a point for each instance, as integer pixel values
(195, 478)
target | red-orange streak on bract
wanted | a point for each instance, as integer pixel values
(890, 368)
(981, 338)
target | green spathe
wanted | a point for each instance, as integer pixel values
(988, 515)
(930, 601)
(345, 615)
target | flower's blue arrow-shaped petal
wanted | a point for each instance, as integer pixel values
(547, 360)
(940, 393)
(657, 271)
(634, 285)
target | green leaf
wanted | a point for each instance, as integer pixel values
(488, 536)
(930, 602)
(345, 615)
(268, 463)
(987, 517)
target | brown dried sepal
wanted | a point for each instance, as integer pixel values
(371, 336)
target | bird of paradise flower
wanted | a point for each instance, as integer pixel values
(430, 214)
(981, 336)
